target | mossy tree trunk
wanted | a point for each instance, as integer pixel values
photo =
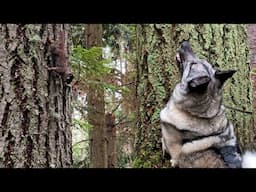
(224, 46)
(96, 106)
(35, 112)
(252, 46)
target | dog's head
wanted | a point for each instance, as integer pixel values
(200, 82)
(198, 74)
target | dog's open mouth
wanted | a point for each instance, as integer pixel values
(199, 84)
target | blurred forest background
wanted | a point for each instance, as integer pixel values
(108, 116)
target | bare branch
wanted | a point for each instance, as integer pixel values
(116, 108)
(85, 140)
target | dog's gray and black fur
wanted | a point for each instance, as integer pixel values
(194, 118)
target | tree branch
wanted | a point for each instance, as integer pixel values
(84, 140)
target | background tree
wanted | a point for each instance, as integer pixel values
(120, 40)
(96, 105)
(35, 112)
(224, 46)
(117, 73)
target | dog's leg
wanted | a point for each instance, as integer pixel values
(174, 150)
(201, 144)
(172, 143)
(164, 148)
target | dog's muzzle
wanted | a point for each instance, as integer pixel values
(199, 84)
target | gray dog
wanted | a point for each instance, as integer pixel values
(194, 118)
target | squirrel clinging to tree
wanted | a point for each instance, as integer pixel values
(60, 59)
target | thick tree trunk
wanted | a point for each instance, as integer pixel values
(252, 46)
(35, 110)
(224, 46)
(96, 106)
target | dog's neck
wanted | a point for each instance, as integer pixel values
(204, 105)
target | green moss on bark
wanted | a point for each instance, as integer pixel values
(224, 46)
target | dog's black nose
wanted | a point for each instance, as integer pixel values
(199, 84)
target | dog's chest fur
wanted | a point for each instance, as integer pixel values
(184, 121)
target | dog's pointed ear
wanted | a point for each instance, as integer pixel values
(222, 76)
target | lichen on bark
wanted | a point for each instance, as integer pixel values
(30, 135)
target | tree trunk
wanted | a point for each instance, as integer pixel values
(96, 106)
(129, 106)
(111, 140)
(224, 46)
(35, 112)
(252, 46)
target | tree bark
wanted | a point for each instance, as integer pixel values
(111, 140)
(96, 106)
(35, 110)
(224, 46)
(252, 50)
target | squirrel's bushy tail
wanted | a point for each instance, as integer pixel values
(249, 160)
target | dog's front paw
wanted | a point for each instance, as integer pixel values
(174, 163)
(189, 148)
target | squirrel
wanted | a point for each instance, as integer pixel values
(60, 59)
